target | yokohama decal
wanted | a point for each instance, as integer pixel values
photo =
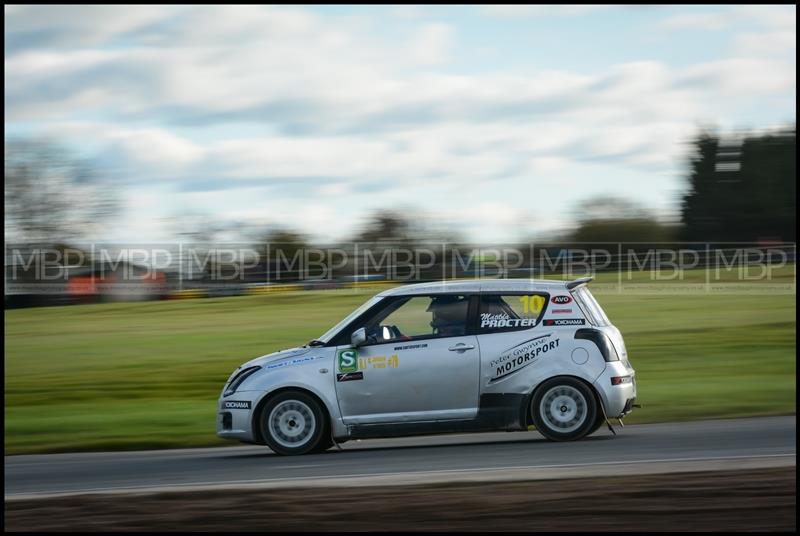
(564, 322)
(236, 404)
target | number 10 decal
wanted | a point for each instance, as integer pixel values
(531, 305)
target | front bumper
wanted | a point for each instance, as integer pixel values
(235, 416)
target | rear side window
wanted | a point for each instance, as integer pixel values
(510, 312)
(594, 313)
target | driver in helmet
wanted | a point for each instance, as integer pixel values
(449, 314)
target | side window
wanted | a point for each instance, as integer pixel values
(420, 317)
(510, 312)
(591, 308)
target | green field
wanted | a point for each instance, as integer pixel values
(147, 375)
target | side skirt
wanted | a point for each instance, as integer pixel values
(497, 411)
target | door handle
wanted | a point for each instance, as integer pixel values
(461, 347)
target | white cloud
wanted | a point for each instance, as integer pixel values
(47, 63)
(432, 43)
(699, 21)
(542, 10)
(741, 76)
(764, 16)
(88, 24)
(409, 11)
(155, 150)
(775, 44)
(769, 16)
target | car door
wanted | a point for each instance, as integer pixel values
(514, 344)
(420, 363)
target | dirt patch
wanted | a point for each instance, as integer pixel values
(725, 500)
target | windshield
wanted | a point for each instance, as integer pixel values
(328, 335)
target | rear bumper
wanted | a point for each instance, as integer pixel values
(618, 400)
(628, 406)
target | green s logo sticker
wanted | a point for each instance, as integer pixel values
(348, 360)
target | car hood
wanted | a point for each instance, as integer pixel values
(276, 358)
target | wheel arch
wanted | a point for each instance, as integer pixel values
(256, 416)
(532, 394)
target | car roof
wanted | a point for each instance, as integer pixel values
(477, 285)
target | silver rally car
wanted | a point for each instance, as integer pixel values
(430, 358)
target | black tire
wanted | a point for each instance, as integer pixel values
(299, 424)
(599, 421)
(324, 444)
(564, 409)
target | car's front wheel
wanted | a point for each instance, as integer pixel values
(564, 409)
(293, 422)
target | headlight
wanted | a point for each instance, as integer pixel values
(237, 380)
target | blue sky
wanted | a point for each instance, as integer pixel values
(494, 121)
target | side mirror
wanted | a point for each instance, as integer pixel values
(358, 337)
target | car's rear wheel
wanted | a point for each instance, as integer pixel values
(293, 422)
(564, 409)
(599, 421)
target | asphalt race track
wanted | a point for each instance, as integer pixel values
(671, 447)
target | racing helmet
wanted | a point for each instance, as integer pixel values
(449, 314)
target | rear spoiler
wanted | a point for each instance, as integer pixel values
(578, 282)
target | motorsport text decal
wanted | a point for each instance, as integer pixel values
(522, 355)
